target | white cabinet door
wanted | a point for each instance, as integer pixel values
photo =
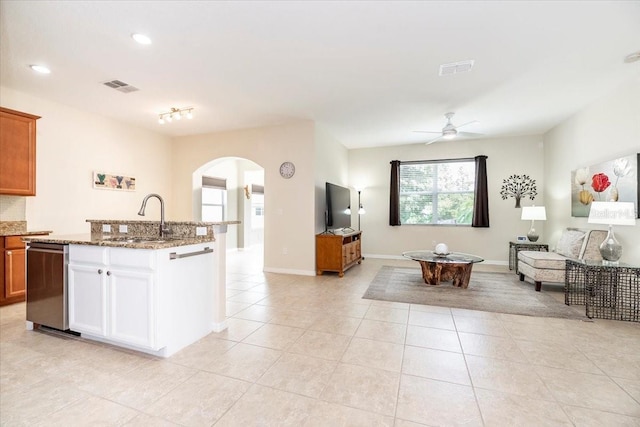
(132, 305)
(87, 299)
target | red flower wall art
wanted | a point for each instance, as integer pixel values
(599, 183)
(614, 180)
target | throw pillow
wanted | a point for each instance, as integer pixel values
(570, 243)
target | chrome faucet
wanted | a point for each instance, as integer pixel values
(163, 229)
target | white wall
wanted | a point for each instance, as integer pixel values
(71, 144)
(370, 167)
(331, 165)
(608, 129)
(289, 203)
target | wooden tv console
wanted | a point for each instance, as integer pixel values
(337, 252)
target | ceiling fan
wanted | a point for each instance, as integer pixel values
(449, 131)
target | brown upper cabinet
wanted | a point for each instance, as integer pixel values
(17, 153)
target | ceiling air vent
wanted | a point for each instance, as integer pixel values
(120, 86)
(456, 67)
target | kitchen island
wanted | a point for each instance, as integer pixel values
(142, 292)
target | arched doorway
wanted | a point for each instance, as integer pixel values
(229, 189)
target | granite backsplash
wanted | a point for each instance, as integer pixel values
(152, 228)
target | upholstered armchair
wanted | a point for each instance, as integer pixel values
(550, 266)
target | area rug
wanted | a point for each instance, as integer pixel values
(494, 292)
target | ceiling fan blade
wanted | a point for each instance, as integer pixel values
(427, 131)
(465, 124)
(470, 134)
(433, 140)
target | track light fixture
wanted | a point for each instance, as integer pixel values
(175, 114)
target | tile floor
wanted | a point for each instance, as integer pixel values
(308, 351)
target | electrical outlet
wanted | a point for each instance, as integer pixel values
(124, 228)
(201, 231)
(106, 228)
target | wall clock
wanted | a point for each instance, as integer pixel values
(287, 170)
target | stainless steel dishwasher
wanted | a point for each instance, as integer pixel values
(47, 285)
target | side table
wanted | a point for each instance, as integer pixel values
(607, 291)
(515, 247)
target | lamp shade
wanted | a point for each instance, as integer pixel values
(534, 213)
(612, 213)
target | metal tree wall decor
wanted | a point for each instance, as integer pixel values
(518, 186)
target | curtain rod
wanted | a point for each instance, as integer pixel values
(465, 159)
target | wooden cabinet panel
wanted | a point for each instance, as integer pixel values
(18, 148)
(13, 270)
(15, 273)
(337, 252)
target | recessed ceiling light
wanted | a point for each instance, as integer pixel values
(141, 38)
(40, 68)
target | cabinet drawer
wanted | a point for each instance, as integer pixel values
(88, 254)
(132, 258)
(13, 242)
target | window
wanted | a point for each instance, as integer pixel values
(257, 206)
(437, 192)
(214, 199)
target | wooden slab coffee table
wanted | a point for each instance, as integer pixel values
(454, 266)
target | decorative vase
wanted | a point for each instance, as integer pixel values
(610, 249)
(613, 194)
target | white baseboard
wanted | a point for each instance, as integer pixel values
(289, 271)
(219, 327)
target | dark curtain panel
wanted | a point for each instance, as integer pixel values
(394, 200)
(481, 194)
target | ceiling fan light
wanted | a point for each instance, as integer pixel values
(449, 134)
(189, 115)
(161, 120)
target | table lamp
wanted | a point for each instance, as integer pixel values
(532, 213)
(611, 213)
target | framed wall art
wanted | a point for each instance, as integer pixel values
(614, 180)
(113, 182)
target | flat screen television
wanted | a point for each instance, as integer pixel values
(338, 202)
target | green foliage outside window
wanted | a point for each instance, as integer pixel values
(434, 192)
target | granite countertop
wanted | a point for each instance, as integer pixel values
(25, 233)
(119, 242)
(18, 228)
(191, 223)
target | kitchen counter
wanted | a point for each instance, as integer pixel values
(130, 242)
(140, 234)
(158, 300)
(26, 233)
(18, 228)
